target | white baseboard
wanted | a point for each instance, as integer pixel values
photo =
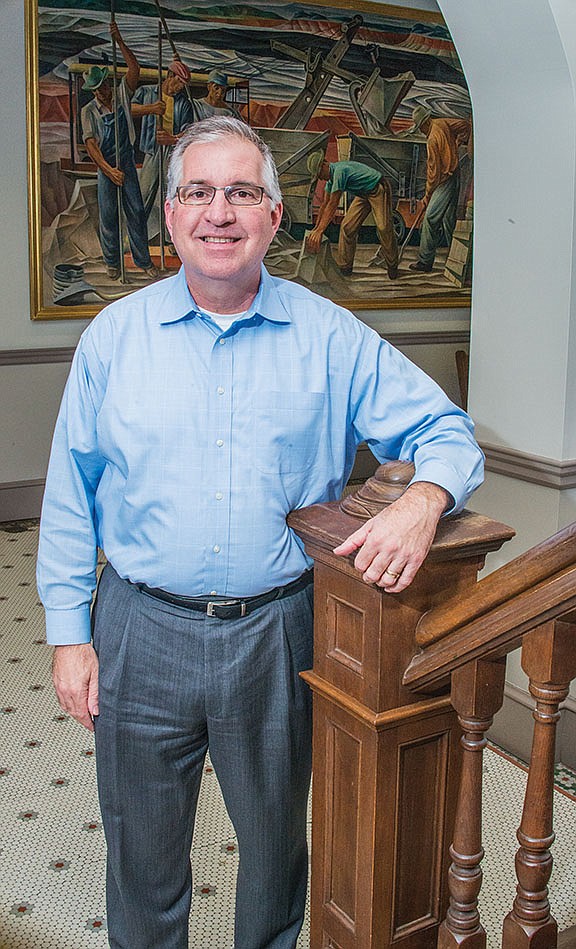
(20, 500)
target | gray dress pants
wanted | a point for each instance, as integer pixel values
(174, 683)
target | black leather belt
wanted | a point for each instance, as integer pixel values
(228, 609)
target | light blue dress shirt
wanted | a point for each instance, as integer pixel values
(180, 449)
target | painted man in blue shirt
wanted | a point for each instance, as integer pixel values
(199, 412)
(175, 109)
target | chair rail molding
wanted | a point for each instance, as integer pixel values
(537, 469)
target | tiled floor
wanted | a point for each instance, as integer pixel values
(52, 848)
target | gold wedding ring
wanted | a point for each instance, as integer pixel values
(390, 574)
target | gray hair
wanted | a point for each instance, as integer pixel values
(215, 129)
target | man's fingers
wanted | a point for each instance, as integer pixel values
(75, 675)
(352, 543)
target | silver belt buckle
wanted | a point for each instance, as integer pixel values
(212, 605)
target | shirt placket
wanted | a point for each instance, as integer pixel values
(219, 424)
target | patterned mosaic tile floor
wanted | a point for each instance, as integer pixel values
(52, 849)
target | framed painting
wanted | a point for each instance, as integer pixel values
(364, 106)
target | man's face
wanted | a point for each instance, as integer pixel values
(103, 93)
(172, 85)
(216, 94)
(219, 241)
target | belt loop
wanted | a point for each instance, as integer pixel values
(243, 608)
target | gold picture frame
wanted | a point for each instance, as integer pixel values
(276, 70)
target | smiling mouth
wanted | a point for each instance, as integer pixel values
(220, 240)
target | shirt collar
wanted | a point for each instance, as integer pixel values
(180, 304)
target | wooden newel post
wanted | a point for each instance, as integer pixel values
(386, 761)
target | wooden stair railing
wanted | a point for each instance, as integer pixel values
(398, 773)
(386, 761)
(529, 602)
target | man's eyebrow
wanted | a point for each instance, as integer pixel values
(233, 184)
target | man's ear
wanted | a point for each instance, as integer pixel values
(277, 216)
(168, 214)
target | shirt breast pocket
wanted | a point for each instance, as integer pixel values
(287, 429)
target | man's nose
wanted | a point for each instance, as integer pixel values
(220, 211)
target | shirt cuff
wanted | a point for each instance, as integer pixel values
(445, 478)
(68, 627)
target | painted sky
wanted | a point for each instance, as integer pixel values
(238, 38)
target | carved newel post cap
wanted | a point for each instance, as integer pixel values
(387, 484)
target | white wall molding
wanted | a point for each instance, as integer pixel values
(31, 357)
(524, 466)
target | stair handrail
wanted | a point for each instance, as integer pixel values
(534, 588)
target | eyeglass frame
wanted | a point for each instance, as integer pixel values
(226, 189)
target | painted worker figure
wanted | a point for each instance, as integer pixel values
(370, 191)
(444, 137)
(99, 135)
(198, 413)
(164, 118)
(214, 102)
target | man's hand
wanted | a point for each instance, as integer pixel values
(313, 241)
(75, 677)
(115, 32)
(392, 545)
(165, 138)
(157, 108)
(115, 175)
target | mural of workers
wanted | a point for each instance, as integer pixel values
(444, 138)
(99, 135)
(370, 191)
(308, 84)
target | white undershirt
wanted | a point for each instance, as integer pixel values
(224, 320)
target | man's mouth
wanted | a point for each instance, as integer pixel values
(220, 240)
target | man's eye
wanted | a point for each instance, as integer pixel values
(246, 194)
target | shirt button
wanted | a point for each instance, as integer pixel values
(216, 548)
(219, 443)
(213, 593)
(219, 495)
(220, 390)
(222, 342)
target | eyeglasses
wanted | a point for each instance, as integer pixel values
(244, 195)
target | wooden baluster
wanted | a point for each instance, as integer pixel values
(549, 659)
(477, 694)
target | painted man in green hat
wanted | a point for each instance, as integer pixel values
(99, 126)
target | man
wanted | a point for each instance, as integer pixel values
(199, 412)
(214, 102)
(165, 117)
(444, 139)
(99, 135)
(370, 192)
